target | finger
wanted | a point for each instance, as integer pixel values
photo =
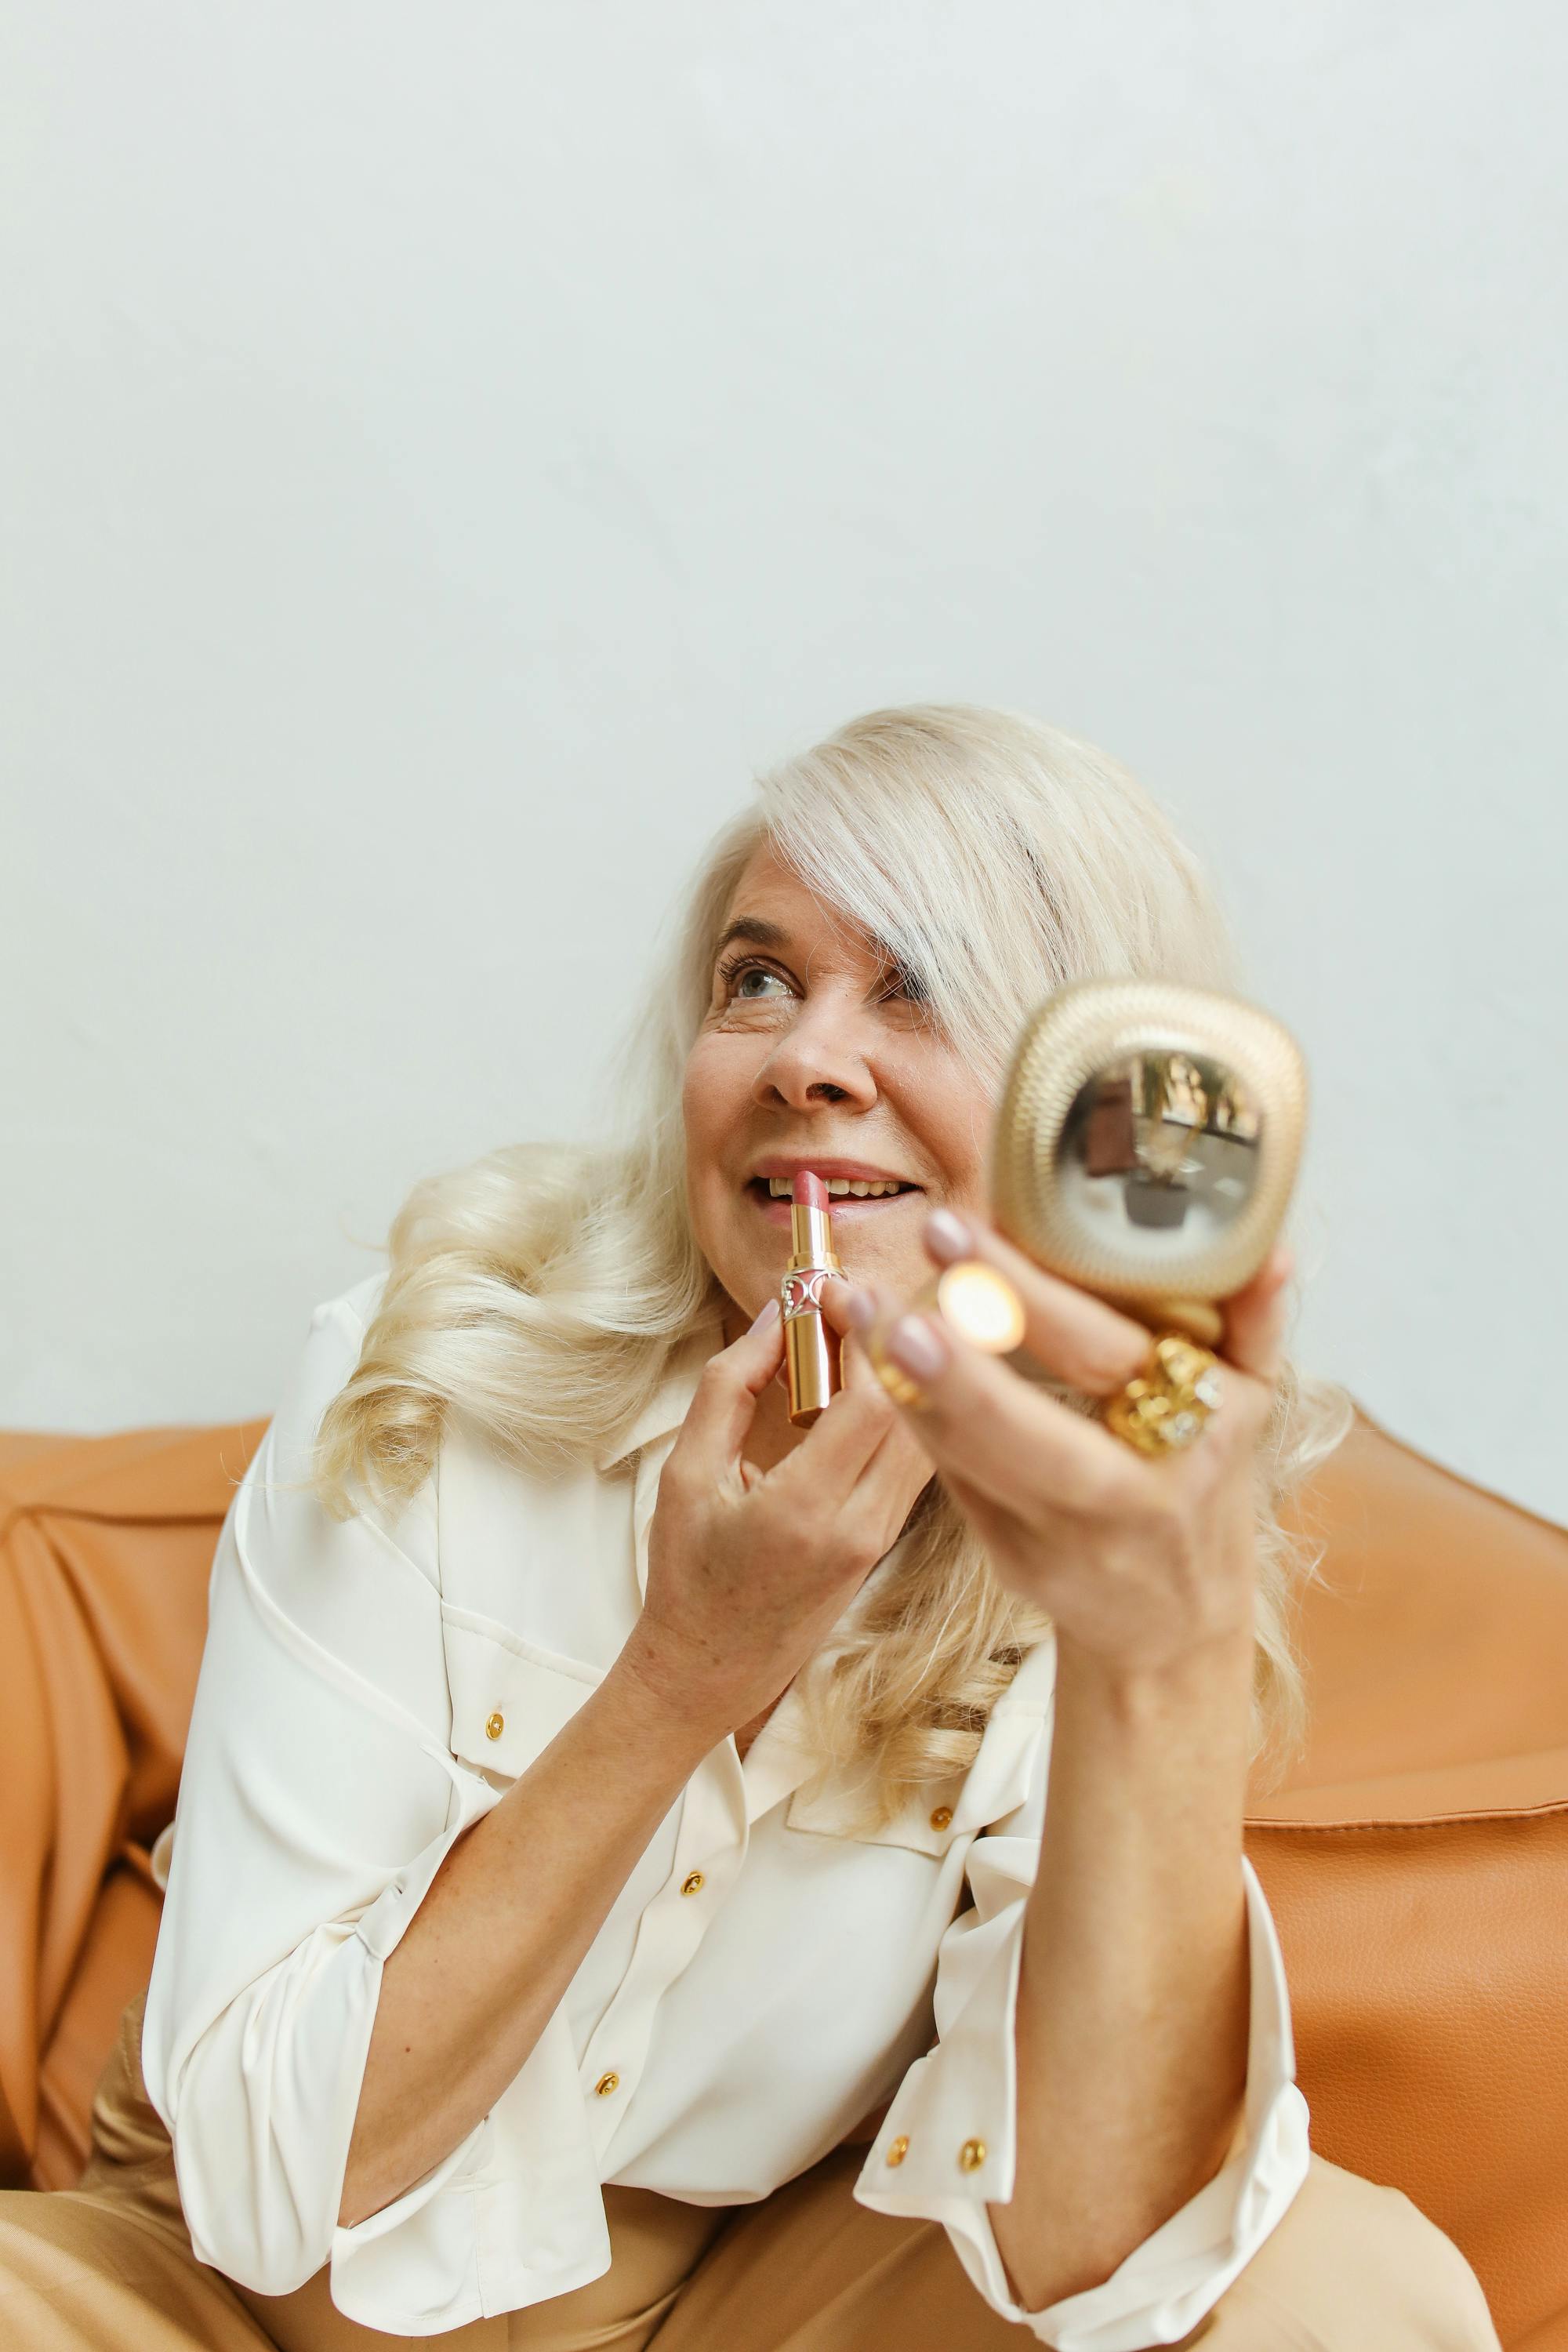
(896, 1473)
(997, 1431)
(843, 1439)
(835, 1292)
(875, 1517)
(851, 1308)
(1074, 1336)
(861, 1377)
(845, 1303)
(1256, 1316)
(724, 1407)
(858, 1374)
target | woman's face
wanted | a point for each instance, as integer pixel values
(812, 1055)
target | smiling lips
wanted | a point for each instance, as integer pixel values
(851, 1189)
(845, 1186)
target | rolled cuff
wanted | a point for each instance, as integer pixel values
(278, 2075)
(513, 2216)
(948, 2149)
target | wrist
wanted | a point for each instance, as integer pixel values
(677, 1710)
(1216, 1672)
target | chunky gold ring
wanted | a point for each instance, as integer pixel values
(1166, 1407)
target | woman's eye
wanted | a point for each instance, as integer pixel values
(739, 978)
(904, 983)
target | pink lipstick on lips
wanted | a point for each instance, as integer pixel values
(811, 1344)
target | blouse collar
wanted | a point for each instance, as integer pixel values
(667, 1406)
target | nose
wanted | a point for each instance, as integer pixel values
(820, 1059)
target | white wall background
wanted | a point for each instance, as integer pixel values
(445, 450)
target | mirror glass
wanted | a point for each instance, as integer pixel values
(1159, 1155)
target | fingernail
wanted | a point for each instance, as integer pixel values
(915, 1348)
(948, 1237)
(860, 1310)
(765, 1314)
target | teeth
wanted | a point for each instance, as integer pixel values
(781, 1188)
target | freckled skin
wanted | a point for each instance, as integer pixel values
(815, 1048)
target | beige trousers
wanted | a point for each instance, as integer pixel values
(108, 2267)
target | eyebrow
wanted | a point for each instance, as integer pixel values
(753, 927)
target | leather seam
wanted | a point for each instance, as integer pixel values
(1422, 1822)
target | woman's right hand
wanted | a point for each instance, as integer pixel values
(749, 1569)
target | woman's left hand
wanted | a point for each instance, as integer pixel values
(1138, 1562)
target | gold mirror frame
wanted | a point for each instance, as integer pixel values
(1077, 1032)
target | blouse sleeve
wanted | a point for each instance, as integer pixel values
(319, 1800)
(948, 2144)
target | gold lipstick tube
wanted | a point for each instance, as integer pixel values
(811, 1344)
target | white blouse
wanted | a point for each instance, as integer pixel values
(368, 1691)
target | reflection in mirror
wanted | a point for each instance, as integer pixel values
(1159, 1153)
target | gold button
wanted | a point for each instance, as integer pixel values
(607, 2085)
(494, 1726)
(692, 1885)
(898, 2149)
(972, 2156)
(941, 1818)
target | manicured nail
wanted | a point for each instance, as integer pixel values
(948, 1237)
(859, 1308)
(916, 1348)
(765, 1314)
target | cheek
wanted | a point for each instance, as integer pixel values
(712, 1099)
(954, 1118)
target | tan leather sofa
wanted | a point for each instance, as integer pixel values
(1417, 1862)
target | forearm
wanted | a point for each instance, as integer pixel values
(503, 1927)
(1132, 2003)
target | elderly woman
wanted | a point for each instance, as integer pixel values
(615, 1897)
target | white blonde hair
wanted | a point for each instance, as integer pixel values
(542, 1289)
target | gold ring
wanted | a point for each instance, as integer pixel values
(1166, 1407)
(975, 1300)
(895, 1380)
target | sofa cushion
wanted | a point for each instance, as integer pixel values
(106, 1545)
(1416, 1860)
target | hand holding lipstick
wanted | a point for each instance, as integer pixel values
(749, 1569)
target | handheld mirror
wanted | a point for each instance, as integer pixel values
(1147, 1144)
